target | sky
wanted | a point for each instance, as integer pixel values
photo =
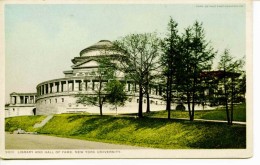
(41, 40)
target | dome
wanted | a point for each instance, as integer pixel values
(97, 47)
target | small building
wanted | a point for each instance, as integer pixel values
(21, 104)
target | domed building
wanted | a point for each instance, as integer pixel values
(58, 96)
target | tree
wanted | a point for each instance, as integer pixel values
(141, 54)
(104, 72)
(196, 55)
(169, 60)
(232, 70)
(115, 93)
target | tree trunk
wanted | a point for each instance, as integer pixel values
(148, 103)
(188, 102)
(167, 94)
(232, 101)
(193, 106)
(170, 97)
(147, 96)
(226, 98)
(100, 98)
(140, 105)
(193, 97)
(100, 109)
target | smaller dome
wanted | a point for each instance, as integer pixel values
(102, 44)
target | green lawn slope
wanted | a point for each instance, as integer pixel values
(24, 122)
(150, 131)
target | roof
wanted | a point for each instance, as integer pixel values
(101, 45)
(219, 74)
(22, 94)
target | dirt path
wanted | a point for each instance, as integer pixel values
(28, 141)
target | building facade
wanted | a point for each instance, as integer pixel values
(21, 104)
(58, 96)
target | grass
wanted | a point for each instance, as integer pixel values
(218, 114)
(24, 122)
(149, 131)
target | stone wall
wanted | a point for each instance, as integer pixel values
(12, 111)
(58, 104)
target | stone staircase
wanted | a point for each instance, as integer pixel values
(38, 125)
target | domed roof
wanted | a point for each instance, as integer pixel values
(102, 44)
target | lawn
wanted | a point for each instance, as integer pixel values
(217, 114)
(147, 132)
(24, 122)
(150, 131)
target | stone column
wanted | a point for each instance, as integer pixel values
(86, 85)
(42, 89)
(67, 85)
(82, 85)
(56, 87)
(59, 86)
(46, 89)
(18, 101)
(11, 100)
(49, 86)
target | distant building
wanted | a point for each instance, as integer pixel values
(21, 104)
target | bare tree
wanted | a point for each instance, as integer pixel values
(139, 61)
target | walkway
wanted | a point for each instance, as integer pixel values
(215, 121)
(28, 141)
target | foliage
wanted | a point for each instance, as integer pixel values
(115, 93)
(140, 58)
(170, 60)
(232, 69)
(105, 71)
(196, 55)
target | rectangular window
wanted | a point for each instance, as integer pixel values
(62, 99)
(56, 100)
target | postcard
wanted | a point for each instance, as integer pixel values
(126, 79)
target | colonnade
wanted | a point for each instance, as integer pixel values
(73, 85)
(22, 99)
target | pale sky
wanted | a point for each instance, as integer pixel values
(41, 40)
